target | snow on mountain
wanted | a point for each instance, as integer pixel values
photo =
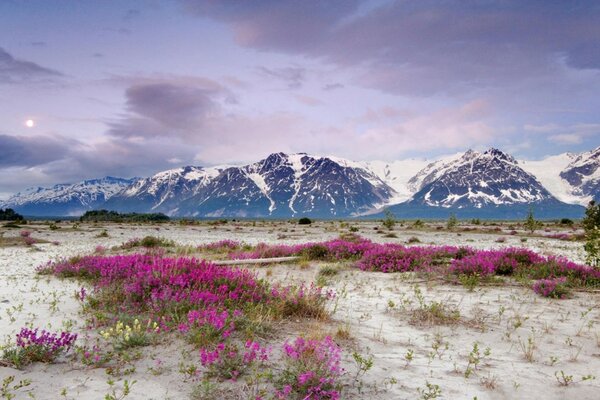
(571, 178)
(290, 184)
(476, 180)
(583, 174)
(284, 185)
(548, 171)
(395, 174)
(163, 191)
(432, 171)
(66, 199)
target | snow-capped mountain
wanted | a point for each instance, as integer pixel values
(583, 174)
(396, 174)
(571, 178)
(281, 185)
(476, 180)
(490, 184)
(67, 199)
(480, 184)
(163, 191)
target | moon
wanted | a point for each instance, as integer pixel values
(30, 123)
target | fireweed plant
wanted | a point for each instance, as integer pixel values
(223, 310)
(520, 263)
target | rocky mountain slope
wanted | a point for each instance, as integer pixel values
(488, 184)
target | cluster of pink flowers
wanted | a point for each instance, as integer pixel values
(228, 361)
(214, 321)
(336, 249)
(312, 369)
(554, 287)
(563, 236)
(221, 245)
(490, 262)
(50, 343)
(397, 258)
(187, 294)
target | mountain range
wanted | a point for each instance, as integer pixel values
(489, 184)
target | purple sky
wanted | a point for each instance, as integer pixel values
(128, 88)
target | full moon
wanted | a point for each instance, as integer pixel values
(30, 123)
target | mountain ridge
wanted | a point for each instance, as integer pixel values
(298, 184)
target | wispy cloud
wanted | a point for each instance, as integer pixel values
(13, 70)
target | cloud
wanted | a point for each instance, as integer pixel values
(422, 47)
(565, 134)
(332, 86)
(289, 25)
(308, 100)
(293, 77)
(567, 138)
(30, 151)
(161, 107)
(13, 70)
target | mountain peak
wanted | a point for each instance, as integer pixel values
(499, 154)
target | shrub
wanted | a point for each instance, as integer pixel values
(204, 301)
(225, 245)
(531, 224)
(566, 221)
(554, 287)
(389, 221)
(311, 370)
(32, 346)
(452, 222)
(591, 225)
(228, 361)
(148, 242)
(304, 221)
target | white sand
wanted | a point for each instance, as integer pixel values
(566, 333)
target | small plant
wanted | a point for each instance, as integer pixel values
(125, 391)
(9, 387)
(452, 222)
(531, 224)
(469, 281)
(126, 336)
(413, 239)
(32, 346)
(554, 287)
(148, 242)
(304, 221)
(409, 357)
(591, 225)
(474, 359)
(389, 220)
(328, 271)
(311, 370)
(102, 234)
(227, 361)
(528, 348)
(430, 391)
(363, 364)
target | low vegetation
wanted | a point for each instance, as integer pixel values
(113, 216)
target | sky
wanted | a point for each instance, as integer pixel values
(129, 88)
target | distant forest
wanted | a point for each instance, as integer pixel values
(10, 215)
(113, 216)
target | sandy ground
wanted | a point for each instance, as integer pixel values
(379, 311)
